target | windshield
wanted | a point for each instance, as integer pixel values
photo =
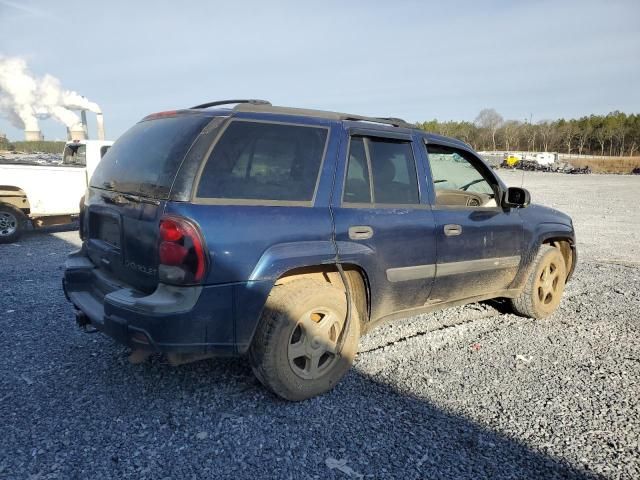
(146, 158)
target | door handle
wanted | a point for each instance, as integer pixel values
(360, 232)
(452, 230)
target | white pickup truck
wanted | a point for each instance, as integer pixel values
(46, 194)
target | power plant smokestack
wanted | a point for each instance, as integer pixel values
(25, 99)
(100, 126)
(83, 119)
(33, 135)
(77, 132)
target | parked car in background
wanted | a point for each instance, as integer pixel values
(283, 234)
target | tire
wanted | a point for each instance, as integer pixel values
(291, 349)
(542, 293)
(12, 223)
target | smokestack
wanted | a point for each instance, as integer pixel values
(83, 120)
(78, 132)
(100, 126)
(33, 135)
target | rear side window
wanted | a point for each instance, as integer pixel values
(264, 161)
(146, 158)
(393, 172)
(357, 187)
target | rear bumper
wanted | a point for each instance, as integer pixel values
(170, 320)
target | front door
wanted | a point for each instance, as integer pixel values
(479, 242)
(382, 224)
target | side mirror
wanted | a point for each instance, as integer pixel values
(516, 197)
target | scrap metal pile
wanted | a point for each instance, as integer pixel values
(562, 167)
(37, 158)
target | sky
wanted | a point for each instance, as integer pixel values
(417, 60)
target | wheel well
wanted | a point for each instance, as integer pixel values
(15, 197)
(566, 248)
(356, 277)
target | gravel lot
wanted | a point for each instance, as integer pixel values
(470, 392)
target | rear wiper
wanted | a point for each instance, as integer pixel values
(122, 199)
(137, 199)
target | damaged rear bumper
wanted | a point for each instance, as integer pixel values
(193, 319)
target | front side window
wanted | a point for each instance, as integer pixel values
(384, 164)
(264, 161)
(457, 181)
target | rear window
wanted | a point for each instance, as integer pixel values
(75, 155)
(146, 158)
(264, 161)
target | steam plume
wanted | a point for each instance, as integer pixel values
(24, 99)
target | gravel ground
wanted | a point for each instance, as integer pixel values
(469, 392)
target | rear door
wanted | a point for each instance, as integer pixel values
(127, 195)
(479, 243)
(382, 222)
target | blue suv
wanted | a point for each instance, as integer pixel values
(283, 234)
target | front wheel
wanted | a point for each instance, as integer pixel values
(294, 352)
(12, 223)
(544, 288)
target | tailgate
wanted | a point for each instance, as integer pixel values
(122, 237)
(128, 192)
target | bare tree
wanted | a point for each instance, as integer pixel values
(510, 131)
(583, 134)
(546, 132)
(568, 132)
(601, 134)
(530, 132)
(491, 120)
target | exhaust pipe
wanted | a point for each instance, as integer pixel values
(81, 319)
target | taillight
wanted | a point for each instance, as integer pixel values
(181, 252)
(81, 219)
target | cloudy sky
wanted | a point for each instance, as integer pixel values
(413, 59)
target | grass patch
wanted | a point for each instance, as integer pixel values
(32, 147)
(607, 165)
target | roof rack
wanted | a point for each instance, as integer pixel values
(264, 106)
(230, 102)
(396, 122)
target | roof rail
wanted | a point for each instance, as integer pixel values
(396, 122)
(229, 102)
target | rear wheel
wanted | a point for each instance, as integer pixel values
(545, 285)
(12, 223)
(295, 349)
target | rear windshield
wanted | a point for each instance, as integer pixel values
(264, 161)
(75, 155)
(146, 158)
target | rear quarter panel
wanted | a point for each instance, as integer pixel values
(251, 246)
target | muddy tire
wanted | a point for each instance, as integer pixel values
(293, 352)
(543, 291)
(12, 224)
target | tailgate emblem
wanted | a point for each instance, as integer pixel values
(140, 268)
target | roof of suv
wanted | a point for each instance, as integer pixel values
(263, 106)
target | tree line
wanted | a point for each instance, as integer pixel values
(614, 134)
(44, 146)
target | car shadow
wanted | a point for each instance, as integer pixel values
(213, 418)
